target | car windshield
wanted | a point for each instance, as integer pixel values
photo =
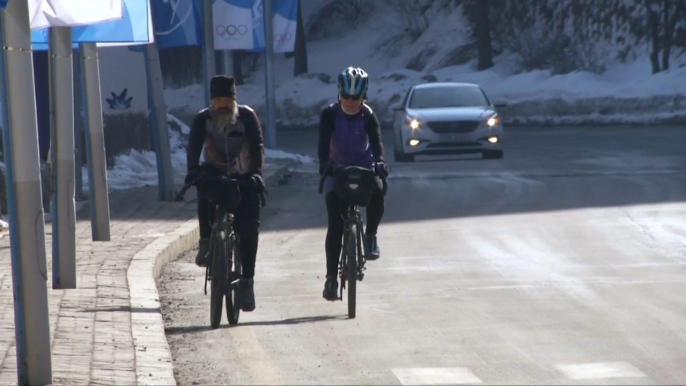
(442, 97)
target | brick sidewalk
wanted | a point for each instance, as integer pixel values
(109, 330)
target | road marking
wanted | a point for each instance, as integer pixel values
(436, 376)
(600, 370)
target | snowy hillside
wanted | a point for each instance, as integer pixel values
(625, 92)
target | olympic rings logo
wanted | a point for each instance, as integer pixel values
(282, 38)
(231, 31)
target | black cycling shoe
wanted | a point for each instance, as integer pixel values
(203, 249)
(372, 251)
(331, 288)
(247, 295)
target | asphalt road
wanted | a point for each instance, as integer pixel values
(563, 263)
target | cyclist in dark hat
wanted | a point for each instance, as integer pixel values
(231, 137)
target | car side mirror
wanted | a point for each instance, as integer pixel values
(397, 107)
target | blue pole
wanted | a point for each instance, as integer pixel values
(19, 329)
(209, 70)
(95, 143)
(158, 120)
(62, 155)
(27, 232)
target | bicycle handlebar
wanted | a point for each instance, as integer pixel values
(226, 181)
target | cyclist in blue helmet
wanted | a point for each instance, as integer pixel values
(349, 135)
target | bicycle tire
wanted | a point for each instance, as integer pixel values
(351, 268)
(218, 285)
(233, 293)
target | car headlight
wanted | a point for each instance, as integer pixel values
(493, 121)
(413, 123)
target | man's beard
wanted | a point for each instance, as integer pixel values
(225, 118)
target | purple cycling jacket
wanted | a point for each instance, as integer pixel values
(349, 140)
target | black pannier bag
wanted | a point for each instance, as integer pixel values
(354, 184)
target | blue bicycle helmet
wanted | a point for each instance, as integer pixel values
(353, 81)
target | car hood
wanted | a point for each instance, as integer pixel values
(451, 114)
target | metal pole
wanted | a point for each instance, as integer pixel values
(158, 123)
(208, 65)
(227, 58)
(63, 207)
(27, 228)
(270, 137)
(78, 128)
(95, 143)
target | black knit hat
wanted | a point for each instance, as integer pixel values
(222, 86)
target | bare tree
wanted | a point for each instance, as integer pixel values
(483, 36)
(672, 12)
(414, 16)
(237, 57)
(300, 65)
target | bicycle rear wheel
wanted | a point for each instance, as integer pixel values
(218, 285)
(233, 293)
(351, 268)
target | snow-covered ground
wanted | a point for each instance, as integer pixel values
(626, 93)
(139, 168)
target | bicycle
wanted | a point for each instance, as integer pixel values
(224, 268)
(355, 186)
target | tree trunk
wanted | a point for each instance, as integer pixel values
(237, 56)
(667, 40)
(483, 37)
(300, 62)
(653, 19)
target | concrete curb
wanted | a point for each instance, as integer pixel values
(154, 365)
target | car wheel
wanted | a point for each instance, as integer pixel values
(493, 154)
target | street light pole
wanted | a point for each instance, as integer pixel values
(27, 226)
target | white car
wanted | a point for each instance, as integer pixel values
(446, 118)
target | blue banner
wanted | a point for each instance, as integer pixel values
(284, 23)
(3, 4)
(133, 28)
(178, 23)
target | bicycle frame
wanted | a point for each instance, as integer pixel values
(353, 217)
(222, 229)
(224, 243)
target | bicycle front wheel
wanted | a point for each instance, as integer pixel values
(218, 285)
(233, 294)
(351, 268)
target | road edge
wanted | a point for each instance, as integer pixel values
(154, 364)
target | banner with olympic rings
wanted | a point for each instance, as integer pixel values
(239, 25)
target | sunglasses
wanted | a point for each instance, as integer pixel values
(353, 97)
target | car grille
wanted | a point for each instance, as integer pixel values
(452, 144)
(447, 127)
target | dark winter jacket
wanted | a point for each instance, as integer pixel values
(239, 151)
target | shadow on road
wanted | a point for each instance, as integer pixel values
(291, 321)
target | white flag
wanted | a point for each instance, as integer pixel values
(284, 32)
(72, 13)
(233, 27)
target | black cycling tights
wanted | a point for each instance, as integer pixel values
(334, 237)
(246, 224)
